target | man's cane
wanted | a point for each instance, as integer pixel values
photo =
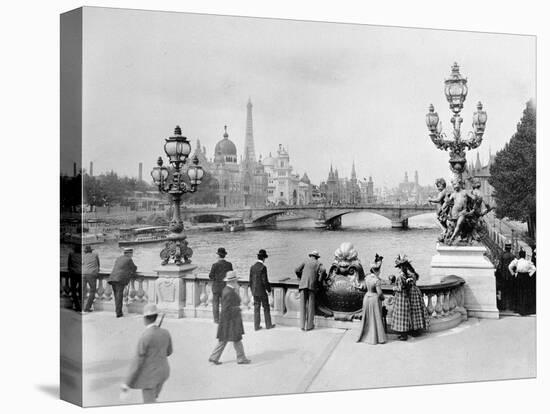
(161, 319)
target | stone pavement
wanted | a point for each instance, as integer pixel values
(288, 360)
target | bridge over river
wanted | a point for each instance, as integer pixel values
(325, 216)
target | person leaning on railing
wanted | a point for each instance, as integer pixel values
(90, 272)
(123, 270)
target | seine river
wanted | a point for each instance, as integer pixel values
(290, 242)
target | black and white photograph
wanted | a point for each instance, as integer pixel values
(283, 206)
(326, 197)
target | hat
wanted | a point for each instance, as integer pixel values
(262, 253)
(150, 309)
(88, 248)
(231, 276)
(221, 252)
(128, 250)
(315, 253)
(401, 260)
(508, 243)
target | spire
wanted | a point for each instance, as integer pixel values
(406, 177)
(416, 177)
(249, 155)
(225, 134)
(353, 174)
(478, 162)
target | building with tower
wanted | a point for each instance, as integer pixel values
(239, 184)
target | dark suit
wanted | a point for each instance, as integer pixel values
(260, 287)
(123, 269)
(217, 274)
(309, 273)
(505, 281)
(150, 369)
(230, 328)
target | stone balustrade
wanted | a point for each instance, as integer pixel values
(444, 300)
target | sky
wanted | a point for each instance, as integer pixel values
(328, 92)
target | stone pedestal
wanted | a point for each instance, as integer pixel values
(170, 288)
(469, 263)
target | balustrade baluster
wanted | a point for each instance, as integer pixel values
(445, 304)
(140, 291)
(100, 289)
(430, 305)
(132, 291)
(108, 292)
(438, 306)
(203, 298)
(271, 299)
(210, 294)
(244, 296)
(452, 300)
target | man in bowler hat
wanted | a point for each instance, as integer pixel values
(150, 369)
(309, 273)
(230, 328)
(260, 287)
(123, 269)
(217, 274)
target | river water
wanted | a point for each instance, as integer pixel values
(291, 241)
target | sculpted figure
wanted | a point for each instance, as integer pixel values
(457, 203)
(440, 201)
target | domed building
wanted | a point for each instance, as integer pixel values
(239, 184)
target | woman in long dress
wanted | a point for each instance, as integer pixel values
(372, 325)
(525, 281)
(409, 311)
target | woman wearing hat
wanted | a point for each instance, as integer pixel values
(409, 311)
(372, 323)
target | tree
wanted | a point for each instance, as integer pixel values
(513, 173)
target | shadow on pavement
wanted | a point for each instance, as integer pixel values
(270, 356)
(49, 389)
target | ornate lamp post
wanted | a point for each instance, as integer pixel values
(456, 91)
(171, 180)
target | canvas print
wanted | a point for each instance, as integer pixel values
(256, 206)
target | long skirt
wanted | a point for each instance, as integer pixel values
(525, 303)
(419, 313)
(372, 325)
(401, 315)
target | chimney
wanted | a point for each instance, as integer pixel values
(91, 172)
(140, 173)
(74, 169)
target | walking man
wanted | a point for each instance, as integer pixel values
(150, 369)
(230, 328)
(260, 287)
(123, 269)
(217, 274)
(310, 273)
(90, 272)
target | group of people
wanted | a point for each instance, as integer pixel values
(225, 288)
(84, 271)
(516, 281)
(409, 316)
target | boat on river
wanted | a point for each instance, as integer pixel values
(233, 224)
(91, 231)
(142, 235)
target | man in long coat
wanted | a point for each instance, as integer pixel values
(309, 273)
(230, 328)
(123, 269)
(150, 370)
(217, 274)
(504, 279)
(260, 287)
